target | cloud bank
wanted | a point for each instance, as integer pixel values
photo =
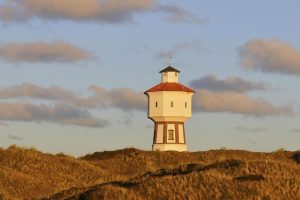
(59, 113)
(270, 56)
(121, 98)
(178, 48)
(112, 11)
(63, 106)
(103, 11)
(234, 102)
(14, 137)
(2, 124)
(178, 14)
(233, 83)
(39, 51)
(251, 130)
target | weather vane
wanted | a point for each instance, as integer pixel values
(170, 60)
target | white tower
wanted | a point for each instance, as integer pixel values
(169, 106)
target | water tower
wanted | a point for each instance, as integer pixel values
(169, 106)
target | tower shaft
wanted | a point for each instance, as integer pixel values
(169, 135)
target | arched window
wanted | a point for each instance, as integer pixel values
(171, 134)
(156, 104)
(185, 104)
(172, 104)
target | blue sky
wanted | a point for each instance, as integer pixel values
(73, 73)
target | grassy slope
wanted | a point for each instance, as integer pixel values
(135, 174)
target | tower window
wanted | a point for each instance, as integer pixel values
(185, 104)
(171, 134)
(172, 104)
(156, 104)
(175, 73)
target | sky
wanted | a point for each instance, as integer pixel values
(73, 72)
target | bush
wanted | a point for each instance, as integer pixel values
(250, 177)
(296, 157)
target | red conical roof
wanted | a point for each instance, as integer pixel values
(170, 86)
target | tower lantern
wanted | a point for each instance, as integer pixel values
(169, 106)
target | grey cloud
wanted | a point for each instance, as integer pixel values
(88, 122)
(107, 11)
(128, 100)
(122, 98)
(39, 51)
(36, 92)
(234, 102)
(177, 14)
(65, 107)
(58, 113)
(251, 130)
(3, 124)
(13, 137)
(295, 130)
(233, 83)
(270, 56)
(103, 11)
(126, 119)
(178, 48)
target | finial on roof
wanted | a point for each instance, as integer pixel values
(170, 59)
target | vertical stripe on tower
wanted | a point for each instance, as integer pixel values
(184, 133)
(176, 133)
(165, 133)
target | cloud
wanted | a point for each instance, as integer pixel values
(2, 124)
(13, 137)
(36, 92)
(234, 102)
(178, 48)
(295, 130)
(126, 119)
(270, 56)
(121, 98)
(58, 113)
(102, 11)
(177, 14)
(232, 83)
(251, 130)
(39, 51)
(127, 99)
(65, 107)
(105, 11)
(88, 122)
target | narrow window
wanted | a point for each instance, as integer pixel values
(171, 134)
(175, 73)
(185, 104)
(172, 104)
(156, 104)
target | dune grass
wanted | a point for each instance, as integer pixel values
(136, 174)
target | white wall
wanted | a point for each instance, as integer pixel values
(169, 147)
(180, 133)
(169, 77)
(160, 133)
(164, 109)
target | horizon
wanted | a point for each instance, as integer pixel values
(73, 80)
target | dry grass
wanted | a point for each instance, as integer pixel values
(135, 174)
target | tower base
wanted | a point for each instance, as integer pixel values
(169, 147)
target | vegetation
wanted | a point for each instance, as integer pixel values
(135, 174)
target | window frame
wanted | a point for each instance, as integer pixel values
(171, 134)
